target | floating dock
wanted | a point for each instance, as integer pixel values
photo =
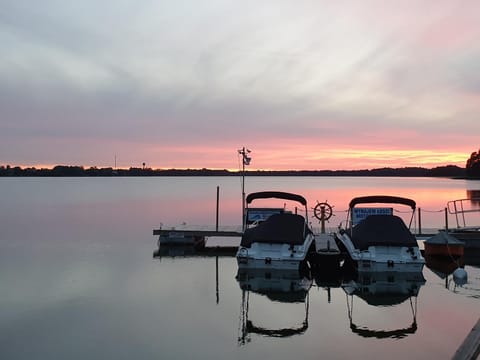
(199, 241)
(204, 241)
(196, 232)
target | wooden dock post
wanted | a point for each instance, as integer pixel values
(322, 220)
(470, 348)
(446, 219)
(419, 221)
(216, 278)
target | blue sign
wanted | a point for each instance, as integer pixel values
(359, 214)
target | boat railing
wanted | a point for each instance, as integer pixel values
(461, 207)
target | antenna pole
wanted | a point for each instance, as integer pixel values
(245, 161)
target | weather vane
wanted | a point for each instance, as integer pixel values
(246, 161)
(244, 152)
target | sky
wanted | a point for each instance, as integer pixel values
(303, 84)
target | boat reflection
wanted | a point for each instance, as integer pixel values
(330, 277)
(384, 289)
(278, 286)
(443, 266)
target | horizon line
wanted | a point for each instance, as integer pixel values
(222, 169)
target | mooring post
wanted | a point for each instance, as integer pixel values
(322, 217)
(419, 221)
(218, 196)
(446, 219)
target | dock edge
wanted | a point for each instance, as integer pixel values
(470, 348)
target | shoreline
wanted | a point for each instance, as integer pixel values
(448, 171)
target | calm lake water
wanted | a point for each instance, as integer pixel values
(78, 279)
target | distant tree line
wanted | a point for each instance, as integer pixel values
(68, 171)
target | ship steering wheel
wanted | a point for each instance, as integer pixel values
(325, 208)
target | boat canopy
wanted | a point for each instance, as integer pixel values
(382, 230)
(383, 199)
(277, 229)
(276, 194)
(443, 238)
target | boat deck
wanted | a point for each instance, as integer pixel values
(325, 245)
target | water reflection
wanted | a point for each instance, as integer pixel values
(384, 289)
(474, 196)
(278, 286)
(172, 251)
(330, 277)
(445, 267)
(275, 305)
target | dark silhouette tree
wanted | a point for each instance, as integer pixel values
(473, 165)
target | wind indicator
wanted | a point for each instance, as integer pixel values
(245, 161)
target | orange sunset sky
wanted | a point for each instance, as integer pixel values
(185, 84)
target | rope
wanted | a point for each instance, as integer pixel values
(414, 309)
(450, 255)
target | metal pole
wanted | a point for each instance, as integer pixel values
(245, 161)
(419, 221)
(446, 219)
(243, 190)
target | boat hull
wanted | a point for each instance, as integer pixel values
(273, 256)
(365, 265)
(443, 265)
(277, 264)
(454, 250)
(382, 258)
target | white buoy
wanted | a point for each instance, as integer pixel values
(460, 276)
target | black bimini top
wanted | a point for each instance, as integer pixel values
(383, 199)
(276, 194)
(382, 230)
(279, 229)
